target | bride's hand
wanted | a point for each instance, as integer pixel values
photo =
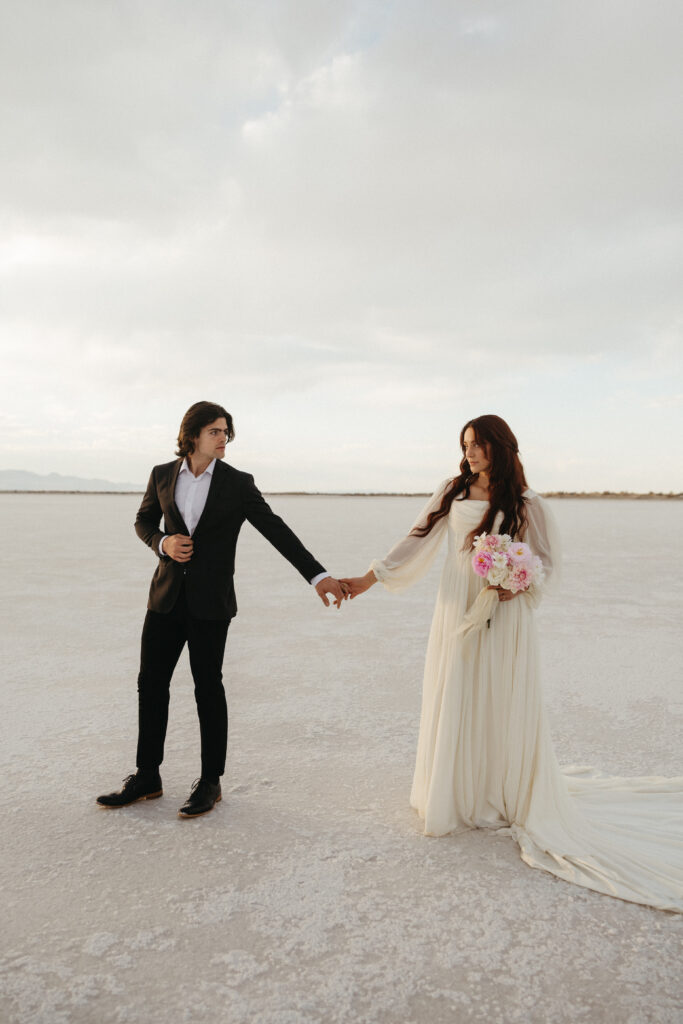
(503, 594)
(359, 584)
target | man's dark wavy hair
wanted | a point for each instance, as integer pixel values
(197, 416)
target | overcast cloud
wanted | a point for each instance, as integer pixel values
(354, 224)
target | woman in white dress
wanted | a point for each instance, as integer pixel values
(484, 754)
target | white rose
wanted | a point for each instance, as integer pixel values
(498, 572)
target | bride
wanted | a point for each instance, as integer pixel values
(484, 753)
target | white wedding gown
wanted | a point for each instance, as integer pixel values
(485, 757)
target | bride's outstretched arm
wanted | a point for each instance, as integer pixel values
(410, 558)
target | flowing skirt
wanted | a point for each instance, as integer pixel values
(485, 759)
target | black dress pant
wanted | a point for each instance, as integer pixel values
(163, 638)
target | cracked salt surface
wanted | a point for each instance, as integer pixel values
(309, 894)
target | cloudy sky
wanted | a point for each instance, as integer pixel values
(355, 224)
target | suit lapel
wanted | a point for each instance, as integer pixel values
(218, 478)
(174, 508)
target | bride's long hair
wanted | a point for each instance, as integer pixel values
(507, 482)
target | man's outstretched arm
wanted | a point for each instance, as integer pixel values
(274, 529)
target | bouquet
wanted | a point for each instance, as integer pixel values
(504, 563)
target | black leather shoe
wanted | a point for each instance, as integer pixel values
(201, 800)
(142, 786)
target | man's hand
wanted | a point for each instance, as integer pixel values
(178, 547)
(331, 586)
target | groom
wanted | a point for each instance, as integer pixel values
(192, 597)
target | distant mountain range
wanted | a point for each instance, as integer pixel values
(22, 480)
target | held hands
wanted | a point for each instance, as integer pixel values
(343, 589)
(358, 584)
(331, 586)
(178, 547)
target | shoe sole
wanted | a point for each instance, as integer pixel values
(181, 815)
(115, 807)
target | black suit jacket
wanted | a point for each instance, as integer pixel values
(233, 497)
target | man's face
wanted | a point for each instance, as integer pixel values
(212, 440)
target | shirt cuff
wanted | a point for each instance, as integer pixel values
(321, 576)
(161, 544)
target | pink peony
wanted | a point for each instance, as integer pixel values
(482, 562)
(491, 540)
(520, 552)
(520, 578)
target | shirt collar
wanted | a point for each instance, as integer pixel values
(186, 469)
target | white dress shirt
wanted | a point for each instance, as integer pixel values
(190, 496)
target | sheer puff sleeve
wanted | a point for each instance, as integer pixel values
(543, 537)
(410, 559)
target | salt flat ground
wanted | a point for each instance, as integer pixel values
(310, 894)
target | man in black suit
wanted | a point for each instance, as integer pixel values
(203, 502)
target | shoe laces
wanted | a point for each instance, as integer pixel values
(199, 784)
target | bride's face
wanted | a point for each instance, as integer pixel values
(475, 453)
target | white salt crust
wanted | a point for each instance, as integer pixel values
(309, 894)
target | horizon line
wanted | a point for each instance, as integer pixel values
(675, 495)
